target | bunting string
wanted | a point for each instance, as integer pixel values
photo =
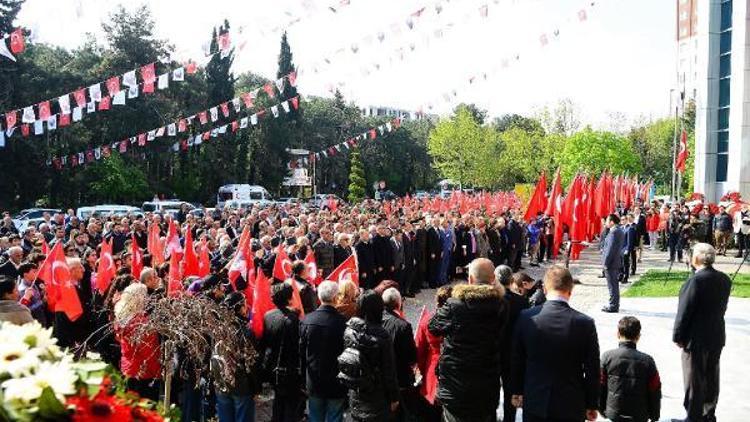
(372, 133)
(92, 155)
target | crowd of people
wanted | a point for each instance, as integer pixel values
(346, 347)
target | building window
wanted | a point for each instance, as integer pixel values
(725, 75)
(726, 15)
(725, 66)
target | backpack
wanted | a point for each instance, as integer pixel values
(356, 368)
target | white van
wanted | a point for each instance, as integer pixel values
(107, 210)
(167, 206)
(242, 193)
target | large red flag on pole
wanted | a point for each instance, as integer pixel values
(538, 202)
(61, 293)
(174, 284)
(204, 260)
(242, 263)
(347, 270)
(105, 271)
(154, 245)
(136, 261)
(190, 258)
(262, 303)
(682, 155)
(554, 195)
(282, 266)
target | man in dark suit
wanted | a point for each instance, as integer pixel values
(516, 303)
(434, 253)
(321, 337)
(365, 260)
(515, 243)
(555, 364)
(699, 331)
(612, 261)
(629, 249)
(404, 349)
(420, 254)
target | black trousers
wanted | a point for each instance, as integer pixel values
(451, 417)
(532, 418)
(286, 407)
(700, 371)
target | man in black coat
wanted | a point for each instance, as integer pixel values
(383, 251)
(404, 350)
(420, 254)
(515, 244)
(699, 331)
(409, 271)
(471, 323)
(434, 253)
(365, 260)
(555, 366)
(516, 303)
(321, 342)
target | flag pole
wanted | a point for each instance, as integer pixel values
(674, 156)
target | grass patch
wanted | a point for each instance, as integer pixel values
(656, 283)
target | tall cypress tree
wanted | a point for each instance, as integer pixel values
(357, 181)
(8, 11)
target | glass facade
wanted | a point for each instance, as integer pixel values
(725, 83)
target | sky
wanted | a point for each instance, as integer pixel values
(619, 61)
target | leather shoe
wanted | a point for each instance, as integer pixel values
(609, 310)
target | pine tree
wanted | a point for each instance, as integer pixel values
(8, 11)
(357, 182)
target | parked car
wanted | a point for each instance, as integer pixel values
(167, 206)
(32, 214)
(108, 210)
(321, 200)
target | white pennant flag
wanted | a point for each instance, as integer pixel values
(388, 126)
(254, 119)
(133, 91)
(214, 114)
(172, 129)
(163, 82)
(236, 104)
(64, 101)
(38, 127)
(28, 114)
(243, 123)
(275, 111)
(119, 98)
(64, 159)
(52, 122)
(77, 114)
(91, 107)
(160, 132)
(81, 158)
(381, 129)
(214, 133)
(222, 129)
(128, 79)
(2, 138)
(178, 75)
(190, 141)
(198, 140)
(280, 84)
(98, 153)
(151, 135)
(95, 92)
(175, 147)
(285, 106)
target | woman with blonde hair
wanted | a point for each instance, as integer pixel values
(346, 300)
(140, 348)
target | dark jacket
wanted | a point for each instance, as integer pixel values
(434, 244)
(631, 238)
(630, 385)
(279, 348)
(340, 254)
(371, 404)
(307, 295)
(321, 339)
(700, 313)
(420, 249)
(723, 222)
(516, 303)
(9, 270)
(15, 313)
(383, 252)
(404, 348)
(366, 263)
(612, 249)
(555, 363)
(71, 333)
(472, 323)
(324, 256)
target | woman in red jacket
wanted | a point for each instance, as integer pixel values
(140, 350)
(652, 227)
(428, 356)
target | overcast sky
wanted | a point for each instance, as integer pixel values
(620, 60)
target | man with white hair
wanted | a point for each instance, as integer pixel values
(10, 267)
(149, 278)
(321, 336)
(699, 332)
(404, 349)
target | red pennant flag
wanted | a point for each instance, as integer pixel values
(148, 87)
(347, 270)
(682, 156)
(190, 260)
(225, 109)
(64, 120)
(113, 85)
(247, 98)
(292, 78)
(262, 303)
(235, 126)
(104, 103)
(174, 284)
(61, 293)
(191, 67)
(136, 265)
(204, 260)
(105, 271)
(80, 97)
(181, 125)
(17, 44)
(224, 42)
(148, 73)
(269, 90)
(11, 117)
(25, 130)
(141, 139)
(154, 245)
(44, 111)
(282, 267)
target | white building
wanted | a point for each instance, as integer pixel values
(722, 144)
(378, 111)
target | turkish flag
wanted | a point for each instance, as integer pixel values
(17, 44)
(554, 195)
(136, 265)
(113, 85)
(204, 260)
(44, 111)
(538, 200)
(154, 245)
(173, 239)
(682, 156)
(61, 293)
(174, 284)
(262, 303)
(190, 258)
(296, 301)
(347, 270)
(242, 260)
(313, 275)
(191, 67)
(105, 272)
(148, 73)
(45, 246)
(282, 267)
(10, 119)
(269, 90)
(80, 97)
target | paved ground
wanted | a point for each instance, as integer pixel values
(657, 316)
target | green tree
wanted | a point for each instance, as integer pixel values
(8, 11)
(114, 180)
(508, 121)
(477, 113)
(460, 147)
(653, 144)
(357, 182)
(563, 118)
(592, 152)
